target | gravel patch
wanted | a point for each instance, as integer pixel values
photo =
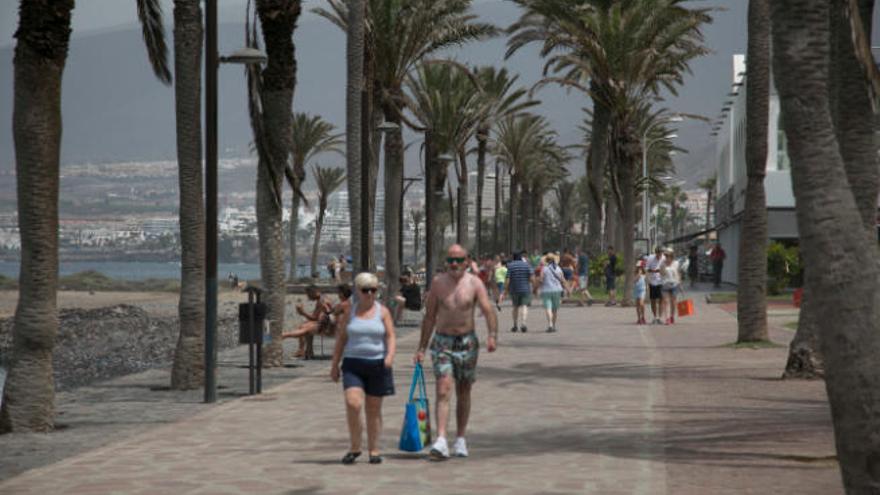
(98, 344)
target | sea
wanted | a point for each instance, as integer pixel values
(142, 270)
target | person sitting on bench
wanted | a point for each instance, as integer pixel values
(316, 321)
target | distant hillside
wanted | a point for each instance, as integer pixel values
(115, 110)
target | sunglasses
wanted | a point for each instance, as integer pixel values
(370, 290)
(451, 260)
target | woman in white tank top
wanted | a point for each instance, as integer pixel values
(365, 346)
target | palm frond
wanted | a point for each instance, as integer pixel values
(150, 16)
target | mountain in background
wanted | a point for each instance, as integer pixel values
(115, 110)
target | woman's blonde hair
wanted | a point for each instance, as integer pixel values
(366, 279)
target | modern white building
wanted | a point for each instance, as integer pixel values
(731, 173)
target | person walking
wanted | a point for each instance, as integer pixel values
(639, 294)
(552, 283)
(451, 301)
(519, 286)
(500, 275)
(671, 283)
(611, 277)
(366, 345)
(655, 284)
(583, 271)
(717, 256)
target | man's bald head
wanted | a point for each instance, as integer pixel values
(456, 250)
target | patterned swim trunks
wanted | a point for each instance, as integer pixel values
(456, 355)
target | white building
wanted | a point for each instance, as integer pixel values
(731, 173)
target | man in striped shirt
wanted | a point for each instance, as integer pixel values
(519, 286)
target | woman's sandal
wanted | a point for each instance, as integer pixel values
(350, 457)
(375, 459)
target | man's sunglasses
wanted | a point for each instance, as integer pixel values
(451, 260)
(371, 290)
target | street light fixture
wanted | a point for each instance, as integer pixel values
(247, 56)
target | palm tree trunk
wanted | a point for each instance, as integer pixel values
(278, 20)
(481, 179)
(854, 122)
(354, 54)
(496, 219)
(461, 234)
(804, 359)
(626, 170)
(40, 55)
(188, 369)
(831, 227)
(851, 112)
(393, 206)
(751, 289)
(611, 220)
(294, 226)
(319, 225)
(596, 163)
(512, 240)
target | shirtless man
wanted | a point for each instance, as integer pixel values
(451, 302)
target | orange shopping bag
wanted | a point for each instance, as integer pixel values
(686, 308)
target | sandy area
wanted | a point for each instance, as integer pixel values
(155, 303)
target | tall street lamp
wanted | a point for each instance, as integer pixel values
(247, 56)
(645, 146)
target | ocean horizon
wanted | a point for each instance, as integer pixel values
(142, 270)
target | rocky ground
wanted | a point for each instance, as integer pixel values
(104, 335)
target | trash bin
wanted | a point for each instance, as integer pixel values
(244, 318)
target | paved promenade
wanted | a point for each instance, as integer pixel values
(603, 406)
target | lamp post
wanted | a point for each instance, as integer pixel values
(247, 56)
(645, 146)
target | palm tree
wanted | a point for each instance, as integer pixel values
(565, 193)
(401, 34)
(751, 288)
(354, 56)
(501, 100)
(610, 51)
(444, 100)
(328, 181)
(519, 141)
(278, 79)
(40, 55)
(832, 228)
(188, 369)
(311, 136)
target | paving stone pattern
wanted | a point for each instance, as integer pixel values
(602, 406)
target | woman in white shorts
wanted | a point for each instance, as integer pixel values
(671, 283)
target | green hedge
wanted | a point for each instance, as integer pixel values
(783, 266)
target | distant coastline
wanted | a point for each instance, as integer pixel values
(143, 270)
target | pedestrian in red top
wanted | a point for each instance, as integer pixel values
(717, 256)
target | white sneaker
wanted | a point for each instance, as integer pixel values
(459, 448)
(440, 450)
